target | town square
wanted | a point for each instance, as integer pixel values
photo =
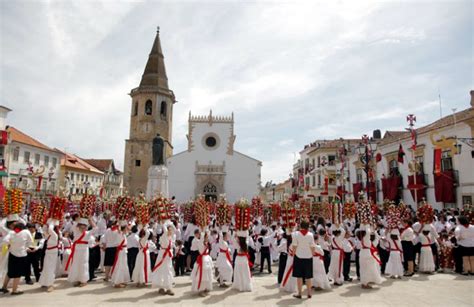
(236, 153)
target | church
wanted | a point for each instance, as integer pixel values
(210, 166)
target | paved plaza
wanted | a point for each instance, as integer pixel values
(421, 290)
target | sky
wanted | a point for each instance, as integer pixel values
(291, 71)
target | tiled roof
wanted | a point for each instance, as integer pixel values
(103, 165)
(20, 137)
(73, 161)
(395, 136)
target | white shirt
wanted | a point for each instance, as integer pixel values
(112, 238)
(132, 241)
(303, 244)
(465, 236)
(195, 244)
(407, 235)
(101, 226)
(20, 242)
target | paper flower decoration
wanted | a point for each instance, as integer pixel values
(394, 216)
(257, 207)
(12, 201)
(425, 213)
(201, 212)
(57, 206)
(350, 210)
(242, 215)
(87, 206)
(223, 213)
(123, 208)
(142, 213)
(38, 212)
(288, 214)
(364, 213)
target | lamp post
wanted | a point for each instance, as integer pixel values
(365, 150)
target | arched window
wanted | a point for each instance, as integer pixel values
(148, 107)
(135, 108)
(163, 110)
(210, 189)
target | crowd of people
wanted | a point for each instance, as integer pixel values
(315, 253)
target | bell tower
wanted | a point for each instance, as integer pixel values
(151, 113)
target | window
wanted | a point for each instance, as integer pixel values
(52, 186)
(72, 176)
(87, 178)
(27, 157)
(211, 141)
(82, 177)
(393, 165)
(446, 161)
(46, 161)
(44, 185)
(319, 161)
(319, 180)
(466, 200)
(306, 181)
(37, 159)
(314, 180)
(331, 160)
(16, 153)
(148, 107)
(163, 110)
(138, 163)
(135, 108)
(55, 162)
(359, 177)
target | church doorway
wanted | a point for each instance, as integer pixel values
(210, 192)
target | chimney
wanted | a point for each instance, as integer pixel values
(472, 99)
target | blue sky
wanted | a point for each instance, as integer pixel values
(291, 71)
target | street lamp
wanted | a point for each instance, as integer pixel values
(365, 151)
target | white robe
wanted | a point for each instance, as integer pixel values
(320, 278)
(336, 265)
(78, 270)
(48, 274)
(369, 266)
(242, 275)
(120, 272)
(426, 263)
(142, 271)
(4, 257)
(288, 284)
(224, 266)
(162, 274)
(67, 244)
(206, 269)
(394, 266)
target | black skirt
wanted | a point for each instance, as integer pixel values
(303, 268)
(466, 251)
(408, 251)
(109, 256)
(17, 266)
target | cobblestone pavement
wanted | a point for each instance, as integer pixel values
(420, 290)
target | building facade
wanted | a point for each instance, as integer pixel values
(112, 178)
(32, 166)
(79, 177)
(151, 114)
(211, 166)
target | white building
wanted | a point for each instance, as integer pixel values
(452, 187)
(210, 166)
(32, 166)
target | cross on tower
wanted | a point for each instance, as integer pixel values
(411, 119)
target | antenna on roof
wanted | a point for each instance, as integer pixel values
(440, 109)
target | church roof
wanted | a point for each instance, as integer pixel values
(155, 72)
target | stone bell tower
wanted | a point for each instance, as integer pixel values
(151, 114)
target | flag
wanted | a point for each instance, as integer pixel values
(413, 139)
(437, 161)
(378, 157)
(401, 153)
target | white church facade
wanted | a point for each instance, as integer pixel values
(210, 166)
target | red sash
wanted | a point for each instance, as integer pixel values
(166, 253)
(341, 255)
(318, 255)
(199, 264)
(52, 247)
(288, 274)
(145, 260)
(227, 254)
(119, 248)
(396, 249)
(73, 249)
(373, 251)
(429, 242)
